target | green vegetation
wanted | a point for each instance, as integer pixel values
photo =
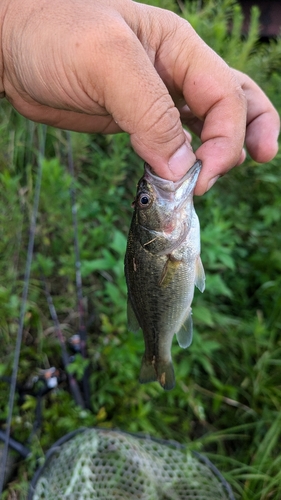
(227, 400)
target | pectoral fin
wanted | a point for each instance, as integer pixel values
(169, 270)
(199, 275)
(185, 334)
(133, 324)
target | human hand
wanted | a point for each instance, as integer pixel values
(114, 65)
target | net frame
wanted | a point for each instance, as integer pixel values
(118, 434)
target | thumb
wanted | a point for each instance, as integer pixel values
(166, 147)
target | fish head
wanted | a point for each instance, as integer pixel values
(162, 205)
(147, 206)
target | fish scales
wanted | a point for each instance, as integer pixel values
(162, 265)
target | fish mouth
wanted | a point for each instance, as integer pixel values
(165, 188)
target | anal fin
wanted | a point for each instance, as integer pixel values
(185, 334)
(199, 274)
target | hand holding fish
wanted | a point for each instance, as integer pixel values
(116, 65)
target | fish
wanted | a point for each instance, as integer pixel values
(162, 266)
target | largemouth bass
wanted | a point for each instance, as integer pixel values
(162, 265)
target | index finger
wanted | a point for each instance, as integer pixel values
(212, 93)
(263, 121)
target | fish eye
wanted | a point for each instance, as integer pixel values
(144, 200)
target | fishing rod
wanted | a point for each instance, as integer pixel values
(16, 445)
(79, 287)
(79, 345)
(74, 388)
(42, 141)
(47, 380)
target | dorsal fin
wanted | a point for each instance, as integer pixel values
(133, 324)
(199, 275)
(185, 334)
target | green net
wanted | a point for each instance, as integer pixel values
(100, 464)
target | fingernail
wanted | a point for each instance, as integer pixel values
(212, 182)
(181, 160)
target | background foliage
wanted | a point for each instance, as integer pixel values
(227, 400)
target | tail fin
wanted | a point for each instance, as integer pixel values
(166, 375)
(162, 371)
(147, 371)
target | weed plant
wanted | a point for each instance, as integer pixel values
(227, 400)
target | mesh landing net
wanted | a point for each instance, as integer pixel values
(105, 464)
